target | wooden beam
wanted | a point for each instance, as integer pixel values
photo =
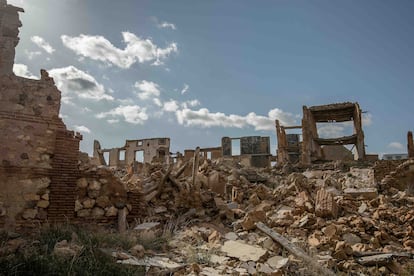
(295, 250)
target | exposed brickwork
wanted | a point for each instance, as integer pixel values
(64, 175)
(135, 198)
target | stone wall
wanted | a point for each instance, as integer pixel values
(38, 168)
(99, 196)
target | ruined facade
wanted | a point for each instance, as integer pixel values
(206, 153)
(288, 145)
(254, 150)
(340, 112)
(311, 145)
(142, 151)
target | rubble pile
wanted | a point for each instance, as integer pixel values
(339, 220)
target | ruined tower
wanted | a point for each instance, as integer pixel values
(9, 31)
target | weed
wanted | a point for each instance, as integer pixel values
(40, 260)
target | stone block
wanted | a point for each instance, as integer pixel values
(43, 203)
(88, 203)
(97, 212)
(325, 204)
(29, 213)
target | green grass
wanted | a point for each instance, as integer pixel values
(37, 258)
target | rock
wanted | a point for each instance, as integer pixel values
(243, 251)
(214, 237)
(231, 236)
(45, 196)
(283, 217)
(88, 203)
(215, 183)
(97, 212)
(94, 185)
(43, 203)
(314, 240)
(93, 193)
(65, 250)
(138, 251)
(41, 183)
(362, 208)
(103, 201)
(148, 229)
(159, 209)
(251, 218)
(304, 202)
(82, 183)
(78, 205)
(84, 213)
(366, 193)
(29, 213)
(277, 262)
(263, 268)
(325, 205)
(329, 231)
(111, 212)
(351, 238)
(31, 197)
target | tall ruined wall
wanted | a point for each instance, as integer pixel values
(9, 31)
(37, 153)
(29, 113)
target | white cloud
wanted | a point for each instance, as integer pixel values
(23, 71)
(170, 106)
(157, 102)
(72, 81)
(82, 129)
(366, 119)
(43, 44)
(334, 130)
(31, 55)
(133, 114)
(185, 89)
(191, 103)
(136, 50)
(204, 118)
(167, 25)
(148, 89)
(396, 146)
(112, 121)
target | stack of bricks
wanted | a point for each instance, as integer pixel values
(64, 175)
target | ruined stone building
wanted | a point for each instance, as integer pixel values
(207, 153)
(313, 147)
(142, 151)
(254, 151)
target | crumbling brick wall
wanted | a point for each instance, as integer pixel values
(38, 154)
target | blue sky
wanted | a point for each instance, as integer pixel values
(199, 70)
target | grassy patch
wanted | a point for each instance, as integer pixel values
(38, 259)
